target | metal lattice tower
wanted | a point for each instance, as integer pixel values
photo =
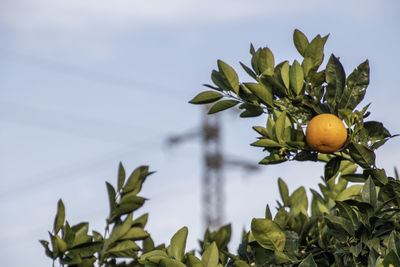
(212, 178)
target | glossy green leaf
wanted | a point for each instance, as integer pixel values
(315, 51)
(268, 214)
(349, 193)
(300, 41)
(285, 74)
(391, 259)
(335, 77)
(210, 257)
(296, 77)
(268, 234)
(265, 142)
(273, 159)
(341, 223)
(123, 246)
(153, 257)
(347, 212)
(368, 193)
(284, 191)
(280, 125)
(206, 97)
(230, 75)
(120, 230)
(308, 262)
(193, 261)
(178, 243)
(264, 93)
(222, 105)
(357, 84)
(121, 176)
(171, 263)
(220, 81)
(265, 61)
(60, 217)
(111, 196)
(135, 233)
(362, 155)
(249, 71)
(298, 202)
(135, 180)
(394, 242)
(332, 167)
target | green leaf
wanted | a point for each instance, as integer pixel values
(265, 61)
(284, 191)
(273, 159)
(368, 193)
(222, 105)
(308, 262)
(171, 263)
(296, 77)
(264, 93)
(206, 97)
(111, 196)
(123, 246)
(249, 71)
(341, 223)
(121, 176)
(178, 243)
(391, 259)
(285, 74)
(298, 202)
(300, 41)
(315, 52)
(194, 261)
(357, 84)
(141, 221)
(332, 167)
(210, 257)
(230, 75)
(251, 110)
(268, 214)
(394, 242)
(135, 180)
(240, 263)
(349, 193)
(153, 257)
(362, 155)
(347, 212)
(120, 230)
(268, 234)
(127, 205)
(376, 130)
(60, 217)
(220, 81)
(335, 77)
(265, 142)
(135, 233)
(280, 126)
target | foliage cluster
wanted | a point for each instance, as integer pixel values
(352, 221)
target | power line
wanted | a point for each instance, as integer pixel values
(88, 74)
(71, 169)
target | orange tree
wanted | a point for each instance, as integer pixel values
(347, 224)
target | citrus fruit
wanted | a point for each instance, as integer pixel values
(326, 133)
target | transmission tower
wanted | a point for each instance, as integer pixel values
(212, 180)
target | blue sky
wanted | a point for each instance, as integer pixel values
(86, 84)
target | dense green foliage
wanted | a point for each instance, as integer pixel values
(352, 221)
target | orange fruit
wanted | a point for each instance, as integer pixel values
(326, 133)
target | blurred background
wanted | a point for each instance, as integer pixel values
(87, 84)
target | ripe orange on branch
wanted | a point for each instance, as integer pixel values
(326, 133)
